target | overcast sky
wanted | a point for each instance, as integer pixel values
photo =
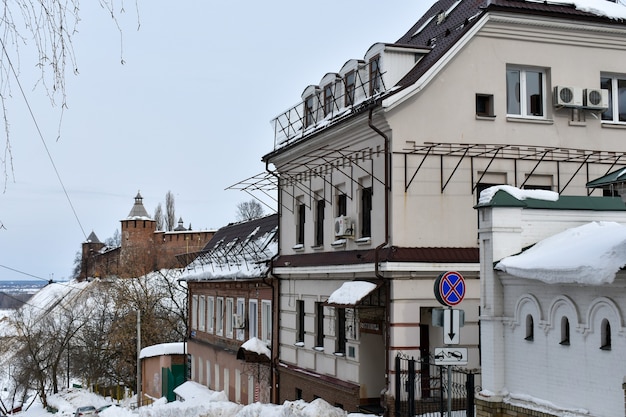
(188, 112)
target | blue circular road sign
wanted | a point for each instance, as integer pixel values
(450, 288)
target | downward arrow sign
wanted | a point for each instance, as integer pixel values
(451, 334)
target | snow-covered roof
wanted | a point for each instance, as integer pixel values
(351, 292)
(175, 348)
(590, 254)
(239, 250)
(256, 345)
(598, 7)
(520, 194)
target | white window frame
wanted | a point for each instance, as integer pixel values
(523, 102)
(241, 312)
(253, 319)
(202, 313)
(210, 324)
(219, 317)
(614, 98)
(230, 313)
(194, 312)
(266, 321)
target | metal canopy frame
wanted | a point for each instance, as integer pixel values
(491, 152)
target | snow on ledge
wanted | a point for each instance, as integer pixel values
(590, 254)
(256, 345)
(176, 348)
(487, 194)
(351, 292)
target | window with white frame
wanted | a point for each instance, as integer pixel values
(525, 92)
(266, 321)
(219, 316)
(229, 317)
(616, 84)
(253, 319)
(194, 312)
(210, 312)
(202, 313)
(240, 318)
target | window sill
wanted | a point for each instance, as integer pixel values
(319, 348)
(298, 248)
(486, 117)
(580, 124)
(363, 241)
(519, 119)
(342, 354)
(339, 243)
(299, 344)
(613, 125)
(317, 247)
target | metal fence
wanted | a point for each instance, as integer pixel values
(429, 390)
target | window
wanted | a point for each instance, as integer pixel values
(484, 105)
(202, 313)
(616, 85)
(240, 318)
(366, 212)
(605, 344)
(309, 111)
(253, 319)
(319, 324)
(340, 330)
(298, 394)
(350, 85)
(210, 325)
(530, 328)
(375, 76)
(342, 204)
(219, 316)
(319, 222)
(194, 312)
(328, 99)
(564, 331)
(299, 321)
(300, 223)
(229, 317)
(525, 92)
(266, 321)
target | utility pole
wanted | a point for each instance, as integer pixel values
(138, 358)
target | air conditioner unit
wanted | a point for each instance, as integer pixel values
(596, 98)
(343, 226)
(240, 322)
(568, 96)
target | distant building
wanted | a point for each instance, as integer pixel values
(142, 248)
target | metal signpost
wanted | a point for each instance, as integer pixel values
(449, 291)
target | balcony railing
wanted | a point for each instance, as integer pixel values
(321, 110)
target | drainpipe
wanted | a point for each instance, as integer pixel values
(275, 303)
(379, 248)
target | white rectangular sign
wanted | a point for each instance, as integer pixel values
(451, 356)
(451, 327)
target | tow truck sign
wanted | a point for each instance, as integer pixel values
(451, 356)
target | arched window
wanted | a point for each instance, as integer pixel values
(530, 328)
(564, 331)
(605, 343)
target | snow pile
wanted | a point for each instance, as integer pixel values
(597, 7)
(351, 292)
(590, 254)
(258, 346)
(175, 348)
(487, 194)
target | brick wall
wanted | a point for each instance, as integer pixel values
(500, 409)
(334, 392)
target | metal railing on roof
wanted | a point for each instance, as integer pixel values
(321, 109)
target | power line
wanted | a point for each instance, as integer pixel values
(43, 141)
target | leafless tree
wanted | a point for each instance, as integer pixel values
(115, 240)
(248, 210)
(40, 35)
(159, 217)
(170, 212)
